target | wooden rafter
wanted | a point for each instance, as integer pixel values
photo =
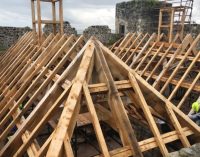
(55, 80)
(165, 64)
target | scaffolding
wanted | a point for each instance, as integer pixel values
(173, 17)
(37, 20)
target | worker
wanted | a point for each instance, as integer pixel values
(195, 114)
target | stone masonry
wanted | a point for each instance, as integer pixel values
(137, 16)
(48, 28)
(9, 35)
(194, 30)
(193, 151)
(102, 33)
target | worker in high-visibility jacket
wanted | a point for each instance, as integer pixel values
(195, 114)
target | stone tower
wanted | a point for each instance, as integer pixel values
(137, 16)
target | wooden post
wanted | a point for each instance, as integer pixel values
(117, 107)
(54, 16)
(33, 20)
(70, 105)
(159, 24)
(95, 121)
(61, 16)
(148, 115)
(39, 22)
(171, 26)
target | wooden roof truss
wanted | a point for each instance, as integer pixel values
(171, 68)
(49, 84)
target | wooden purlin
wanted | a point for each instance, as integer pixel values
(168, 67)
(56, 79)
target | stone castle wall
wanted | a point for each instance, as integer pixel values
(9, 35)
(102, 33)
(137, 16)
(193, 29)
(48, 28)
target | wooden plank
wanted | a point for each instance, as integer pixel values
(122, 43)
(33, 19)
(95, 121)
(191, 87)
(183, 77)
(116, 105)
(171, 25)
(151, 60)
(179, 56)
(148, 115)
(159, 23)
(61, 17)
(182, 47)
(101, 87)
(145, 57)
(133, 53)
(126, 44)
(68, 149)
(70, 104)
(152, 38)
(180, 63)
(54, 16)
(148, 144)
(131, 46)
(159, 62)
(39, 22)
(177, 126)
(42, 122)
(185, 84)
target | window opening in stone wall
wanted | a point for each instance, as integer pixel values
(122, 30)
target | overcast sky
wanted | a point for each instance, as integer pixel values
(80, 13)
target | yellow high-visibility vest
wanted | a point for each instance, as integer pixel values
(195, 107)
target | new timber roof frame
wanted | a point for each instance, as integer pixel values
(37, 22)
(169, 67)
(56, 79)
